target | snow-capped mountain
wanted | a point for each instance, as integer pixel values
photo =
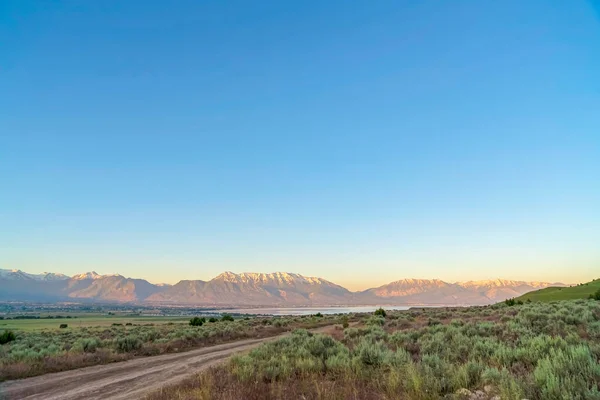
(495, 283)
(435, 291)
(500, 289)
(51, 276)
(255, 289)
(17, 274)
(278, 288)
(86, 275)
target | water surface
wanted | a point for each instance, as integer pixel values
(309, 310)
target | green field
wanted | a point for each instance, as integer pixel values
(85, 321)
(582, 291)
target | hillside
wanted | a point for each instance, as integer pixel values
(582, 291)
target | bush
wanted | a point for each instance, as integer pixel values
(513, 302)
(226, 317)
(375, 320)
(212, 319)
(344, 321)
(370, 354)
(319, 315)
(63, 326)
(596, 296)
(128, 344)
(566, 374)
(7, 336)
(380, 312)
(87, 345)
(196, 321)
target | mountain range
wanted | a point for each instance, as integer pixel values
(255, 289)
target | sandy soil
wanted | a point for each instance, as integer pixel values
(131, 379)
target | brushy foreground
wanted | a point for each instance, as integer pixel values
(42, 351)
(537, 351)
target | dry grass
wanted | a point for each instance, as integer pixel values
(218, 384)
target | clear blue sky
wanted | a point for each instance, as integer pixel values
(359, 141)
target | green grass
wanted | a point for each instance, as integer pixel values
(84, 322)
(582, 291)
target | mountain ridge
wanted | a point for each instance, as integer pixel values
(256, 289)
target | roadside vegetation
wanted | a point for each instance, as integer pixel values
(535, 351)
(25, 353)
(580, 291)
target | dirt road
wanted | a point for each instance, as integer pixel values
(124, 380)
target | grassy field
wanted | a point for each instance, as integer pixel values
(83, 321)
(40, 346)
(582, 291)
(535, 351)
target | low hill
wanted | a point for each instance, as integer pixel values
(581, 291)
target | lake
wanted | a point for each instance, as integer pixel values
(309, 310)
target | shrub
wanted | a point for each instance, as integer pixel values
(338, 363)
(319, 315)
(596, 296)
(345, 323)
(196, 321)
(375, 320)
(370, 354)
(226, 317)
(88, 345)
(212, 319)
(380, 312)
(63, 326)
(566, 374)
(352, 333)
(513, 302)
(7, 336)
(280, 322)
(128, 344)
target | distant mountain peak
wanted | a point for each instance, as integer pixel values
(17, 274)
(499, 283)
(418, 281)
(14, 274)
(269, 277)
(227, 276)
(53, 276)
(87, 275)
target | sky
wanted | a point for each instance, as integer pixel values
(358, 141)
